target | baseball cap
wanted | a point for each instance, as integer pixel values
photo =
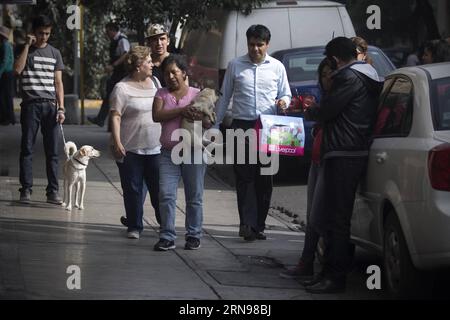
(155, 30)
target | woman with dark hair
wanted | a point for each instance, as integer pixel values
(436, 51)
(170, 106)
(304, 270)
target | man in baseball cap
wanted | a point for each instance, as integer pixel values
(158, 40)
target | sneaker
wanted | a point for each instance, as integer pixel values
(54, 198)
(133, 235)
(300, 271)
(25, 196)
(124, 221)
(164, 245)
(192, 243)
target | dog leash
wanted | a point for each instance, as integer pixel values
(63, 136)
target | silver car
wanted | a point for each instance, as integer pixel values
(402, 207)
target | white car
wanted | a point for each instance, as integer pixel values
(402, 207)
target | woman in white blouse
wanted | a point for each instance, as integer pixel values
(135, 136)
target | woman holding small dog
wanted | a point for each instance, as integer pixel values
(170, 106)
(135, 137)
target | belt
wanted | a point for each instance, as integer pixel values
(40, 100)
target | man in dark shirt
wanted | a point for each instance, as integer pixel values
(118, 50)
(40, 68)
(158, 40)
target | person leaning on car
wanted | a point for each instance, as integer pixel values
(348, 114)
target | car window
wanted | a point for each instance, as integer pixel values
(395, 111)
(441, 103)
(380, 63)
(303, 66)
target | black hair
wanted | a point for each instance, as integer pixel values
(325, 62)
(440, 50)
(258, 31)
(178, 60)
(41, 21)
(342, 48)
(112, 26)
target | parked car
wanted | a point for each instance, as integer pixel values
(301, 66)
(291, 23)
(402, 208)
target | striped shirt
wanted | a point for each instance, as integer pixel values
(38, 77)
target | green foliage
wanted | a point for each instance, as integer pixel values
(132, 15)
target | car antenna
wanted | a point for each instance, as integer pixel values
(332, 37)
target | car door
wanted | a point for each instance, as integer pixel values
(385, 174)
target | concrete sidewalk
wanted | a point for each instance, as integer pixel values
(38, 242)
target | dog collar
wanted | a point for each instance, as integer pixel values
(83, 164)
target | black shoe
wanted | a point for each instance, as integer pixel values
(25, 196)
(54, 198)
(261, 236)
(164, 245)
(312, 281)
(248, 233)
(124, 221)
(326, 286)
(241, 230)
(300, 271)
(95, 120)
(192, 243)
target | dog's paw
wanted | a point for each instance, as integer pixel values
(81, 208)
(63, 204)
(69, 208)
(77, 205)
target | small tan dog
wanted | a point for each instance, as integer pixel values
(205, 102)
(75, 173)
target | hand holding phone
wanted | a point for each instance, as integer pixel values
(31, 39)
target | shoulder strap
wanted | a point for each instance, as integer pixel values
(156, 83)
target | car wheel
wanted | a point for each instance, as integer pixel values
(402, 279)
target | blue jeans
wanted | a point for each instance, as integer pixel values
(193, 176)
(134, 171)
(33, 115)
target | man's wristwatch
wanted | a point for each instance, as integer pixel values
(61, 110)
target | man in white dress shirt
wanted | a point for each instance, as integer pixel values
(257, 84)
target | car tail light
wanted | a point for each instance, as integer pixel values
(439, 167)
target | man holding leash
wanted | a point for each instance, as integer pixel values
(40, 68)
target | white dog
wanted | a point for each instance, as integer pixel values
(75, 173)
(205, 102)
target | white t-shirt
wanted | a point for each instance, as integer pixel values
(138, 132)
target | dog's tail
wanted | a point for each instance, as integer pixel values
(70, 148)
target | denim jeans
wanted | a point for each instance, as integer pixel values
(193, 176)
(33, 115)
(134, 171)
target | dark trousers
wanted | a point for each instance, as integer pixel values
(134, 171)
(342, 176)
(110, 84)
(33, 115)
(314, 206)
(6, 98)
(254, 191)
